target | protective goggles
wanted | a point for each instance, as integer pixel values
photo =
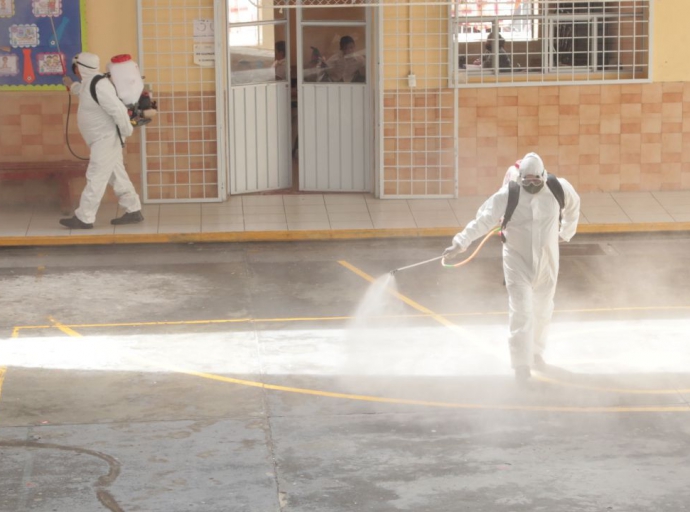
(532, 180)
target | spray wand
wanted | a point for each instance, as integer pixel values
(494, 231)
(416, 264)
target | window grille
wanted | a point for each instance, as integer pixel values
(536, 41)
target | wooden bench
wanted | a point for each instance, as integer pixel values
(61, 172)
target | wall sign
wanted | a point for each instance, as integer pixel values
(38, 39)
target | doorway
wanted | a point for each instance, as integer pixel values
(258, 99)
(300, 110)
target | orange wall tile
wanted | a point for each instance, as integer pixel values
(607, 138)
(32, 126)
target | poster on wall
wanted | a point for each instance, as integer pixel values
(38, 39)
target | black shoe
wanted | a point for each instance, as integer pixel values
(75, 223)
(539, 363)
(128, 218)
(522, 374)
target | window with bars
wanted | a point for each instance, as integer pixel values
(524, 41)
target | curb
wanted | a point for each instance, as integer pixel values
(301, 236)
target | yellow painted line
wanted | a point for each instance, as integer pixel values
(288, 236)
(626, 391)
(64, 328)
(426, 313)
(629, 308)
(447, 405)
(16, 329)
(399, 401)
(403, 298)
(447, 323)
(3, 371)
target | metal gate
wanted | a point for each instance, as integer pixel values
(180, 159)
(258, 99)
(335, 112)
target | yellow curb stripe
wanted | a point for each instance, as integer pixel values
(287, 236)
(641, 227)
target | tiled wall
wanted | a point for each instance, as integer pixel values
(601, 138)
(32, 129)
(181, 147)
(418, 143)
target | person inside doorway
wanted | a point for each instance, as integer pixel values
(346, 65)
(243, 73)
(488, 60)
(280, 61)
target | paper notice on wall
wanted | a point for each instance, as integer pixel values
(204, 49)
(203, 31)
(205, 55)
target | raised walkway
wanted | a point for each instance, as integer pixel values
(326, 217)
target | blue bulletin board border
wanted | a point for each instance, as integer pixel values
(71, 40)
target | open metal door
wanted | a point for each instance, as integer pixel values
(335, 112)
(259, 98)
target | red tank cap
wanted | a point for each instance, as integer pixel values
(121, 58)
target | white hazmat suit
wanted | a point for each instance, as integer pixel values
(98, 123)
(530, 255)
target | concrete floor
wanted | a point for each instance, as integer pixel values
(275, 377)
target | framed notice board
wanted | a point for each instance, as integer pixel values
(38, 39)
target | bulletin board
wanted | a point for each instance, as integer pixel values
(38, 39)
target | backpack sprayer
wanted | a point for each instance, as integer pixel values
(129, 85)
(124, 74)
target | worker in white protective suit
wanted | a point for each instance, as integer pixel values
(104, 125)
(530, 255)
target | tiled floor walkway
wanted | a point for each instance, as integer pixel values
(318, 212)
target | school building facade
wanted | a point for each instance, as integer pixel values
(598, 88)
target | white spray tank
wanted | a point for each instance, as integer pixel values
(129, 84)
(125, 75)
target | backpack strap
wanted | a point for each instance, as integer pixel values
(92, 88)
(513, 196)
(557, 191)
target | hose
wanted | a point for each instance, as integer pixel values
(494, 231)
(69, 95)
(69, 109)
